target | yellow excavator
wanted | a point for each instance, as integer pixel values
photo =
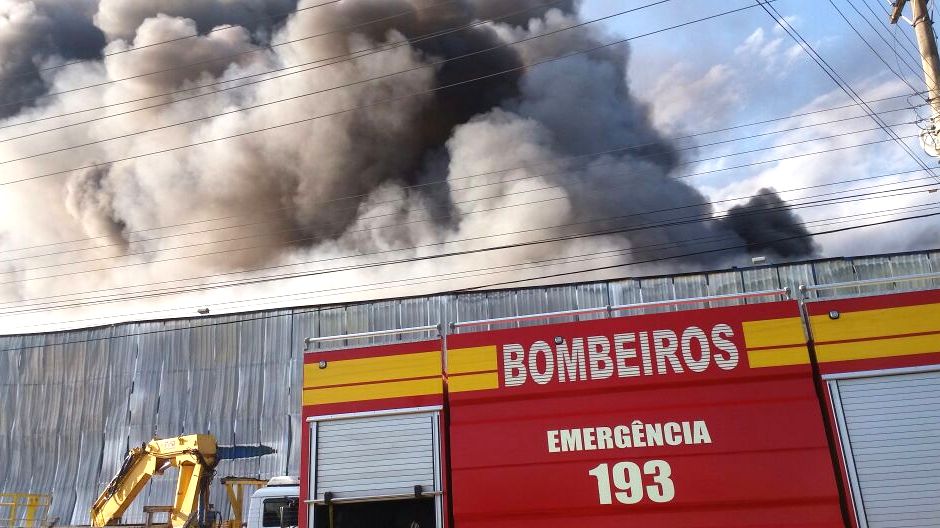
(195, 456)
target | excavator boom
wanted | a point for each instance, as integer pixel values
(195, 457)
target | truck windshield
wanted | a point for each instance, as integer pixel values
(280, 511)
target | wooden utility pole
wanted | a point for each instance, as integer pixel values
(927, 42)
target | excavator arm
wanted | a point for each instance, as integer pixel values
(195, 457)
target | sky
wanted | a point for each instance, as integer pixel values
(744, 106)
(745, 69)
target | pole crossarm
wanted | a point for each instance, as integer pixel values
(930, 59)
(898, 7)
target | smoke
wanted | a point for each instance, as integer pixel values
(122, 18)
(36, 34)
(404, 171)
(766, 224)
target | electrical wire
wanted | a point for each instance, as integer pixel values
(266, 72)
(280, 266)
(836, 78)
(354, 207)
(373, 104)
(232, 273)
(701, 218)
(846, 87)
(890, 68)
(891, 30)
(909, 38)
(435, 278)
(871, 47)
(700, 204)
(319, 63)
(677, 244)
(129, 49)
(314, 237)
(203, 62)
(590, 257)
(700, 253)
(450, 180)
(429, 65)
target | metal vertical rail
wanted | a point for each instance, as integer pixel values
(832, 435)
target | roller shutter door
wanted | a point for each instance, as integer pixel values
(375, 456)
(890, 429)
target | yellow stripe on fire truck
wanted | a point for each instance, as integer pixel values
(775, 342)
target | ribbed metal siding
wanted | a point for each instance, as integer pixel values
(82, 398)
(375, 456)
(891, 427)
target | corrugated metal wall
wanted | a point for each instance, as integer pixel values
(71, 403)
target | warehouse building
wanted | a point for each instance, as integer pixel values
(72, 403)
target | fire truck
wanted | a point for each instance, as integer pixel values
(818, 409)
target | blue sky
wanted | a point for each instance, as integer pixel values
(742, 68)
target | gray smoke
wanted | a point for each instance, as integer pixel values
(122, 18)
(361, 180)
(766, 223)
(41, 33)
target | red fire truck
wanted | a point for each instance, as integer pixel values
(768, 412)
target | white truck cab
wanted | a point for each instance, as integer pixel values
(275, 505)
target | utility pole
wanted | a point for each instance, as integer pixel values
(927, 42)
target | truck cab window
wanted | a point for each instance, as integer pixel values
(279, 512)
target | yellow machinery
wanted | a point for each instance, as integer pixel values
(195, 457)
(235, 487)
(34, 507)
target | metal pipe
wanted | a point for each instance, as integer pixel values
(376, 333)
(609, 309)
(784, 292)
(374, 498)
(546, 315)
(868, 282)
(881, 372)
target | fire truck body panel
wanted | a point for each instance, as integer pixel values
(731, 416)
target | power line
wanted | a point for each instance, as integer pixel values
(705, 252)
(836, 78)
(162, 42)
(680, 243)
(897, 47)
(356, 206)
(437, 277)
(701, 218)
(873, 129)
(909, 38)
(868, 44)
(701, 204)
(320, 63)
(281, 266)
(893, 31)
(434, 278)
(212, 60)
(356, 83)
(688, 175)
(313, 238)
(493, 172)
(829, 71)
(373, 104)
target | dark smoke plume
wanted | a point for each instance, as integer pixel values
(122, 18)
(394, 175)
(766, 223)
(37, 34)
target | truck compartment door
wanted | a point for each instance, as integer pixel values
(890, 435)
